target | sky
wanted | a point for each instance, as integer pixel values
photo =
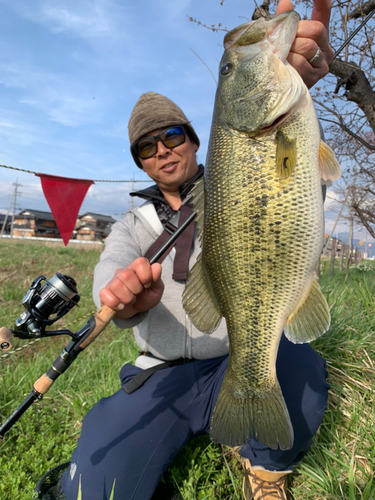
(71, 72)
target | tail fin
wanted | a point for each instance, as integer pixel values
(263, 416)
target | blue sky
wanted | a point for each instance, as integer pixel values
(71, 72)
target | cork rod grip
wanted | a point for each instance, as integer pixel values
(6, 339)
(43, 384)
(103, 316)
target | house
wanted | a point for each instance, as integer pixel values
(92, 226)
(7, 223)
(29, 223)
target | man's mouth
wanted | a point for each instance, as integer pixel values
(169, 166)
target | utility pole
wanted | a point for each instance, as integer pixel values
(6, 217)
(14, 204)
(350, 247)
(334, 226)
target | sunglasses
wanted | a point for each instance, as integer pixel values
(171, 137)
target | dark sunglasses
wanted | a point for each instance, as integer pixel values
(171, 137)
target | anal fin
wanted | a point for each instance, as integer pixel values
(310, 319)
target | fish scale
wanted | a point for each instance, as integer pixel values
(260, 215)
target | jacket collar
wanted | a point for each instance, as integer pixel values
(153, 193)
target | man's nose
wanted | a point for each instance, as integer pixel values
(161, 149)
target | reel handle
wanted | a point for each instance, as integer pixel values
(6, 339)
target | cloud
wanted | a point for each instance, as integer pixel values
(111, 199)
(16, 131)
(68, 101)
(69, 110)
(90, 19)
(169, 12)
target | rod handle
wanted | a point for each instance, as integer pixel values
(103, 317)
(6, 339)
(43, 384)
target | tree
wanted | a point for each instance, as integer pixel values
(345, 101)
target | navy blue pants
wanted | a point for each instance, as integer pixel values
(132, 438)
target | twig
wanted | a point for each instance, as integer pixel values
(205, 65)
(213, 27)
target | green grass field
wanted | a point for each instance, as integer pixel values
(339, 465)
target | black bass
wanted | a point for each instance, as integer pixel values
(260, 214)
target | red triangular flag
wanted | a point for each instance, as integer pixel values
(64, 197)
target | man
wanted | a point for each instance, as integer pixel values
(128, 439)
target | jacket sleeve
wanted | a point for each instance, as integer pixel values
(121, 248)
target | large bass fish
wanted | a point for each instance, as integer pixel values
(260, 214)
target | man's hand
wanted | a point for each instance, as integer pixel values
(137, 288)
(311, 36)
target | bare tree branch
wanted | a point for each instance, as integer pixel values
(358, 88)
(362, 10)
(355, 136)
(205, 65)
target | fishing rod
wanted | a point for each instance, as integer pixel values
(57, 296)
(367, 18)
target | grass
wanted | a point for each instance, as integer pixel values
(339, 465)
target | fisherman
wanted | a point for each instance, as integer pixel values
(129, 439)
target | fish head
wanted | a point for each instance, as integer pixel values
(257, 85)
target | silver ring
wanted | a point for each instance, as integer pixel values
(317, 55)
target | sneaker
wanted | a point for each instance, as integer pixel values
(261, 484)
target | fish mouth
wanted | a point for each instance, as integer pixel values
(251, 38)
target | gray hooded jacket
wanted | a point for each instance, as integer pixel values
(165, 331)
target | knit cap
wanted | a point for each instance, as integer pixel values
(153, 111)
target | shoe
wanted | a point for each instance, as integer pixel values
(261, 484)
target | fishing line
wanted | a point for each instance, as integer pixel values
(367, 18)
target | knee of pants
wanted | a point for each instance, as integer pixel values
(302, 375)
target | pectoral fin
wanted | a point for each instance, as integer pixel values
(310, 319)
(199, 301)
(329, 167)
(286, 155)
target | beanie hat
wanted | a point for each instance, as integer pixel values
(153, 111)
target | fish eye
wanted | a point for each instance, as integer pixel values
(226, 69)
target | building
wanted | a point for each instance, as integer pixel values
(92, 226)
(7, 224)
(29, 223)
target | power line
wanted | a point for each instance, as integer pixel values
(94, 180)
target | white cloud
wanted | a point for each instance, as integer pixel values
(16, 131)
(170, 11)
(65, 109)
(68, 101)
(90, 19)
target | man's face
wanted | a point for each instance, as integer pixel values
(170, 168)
